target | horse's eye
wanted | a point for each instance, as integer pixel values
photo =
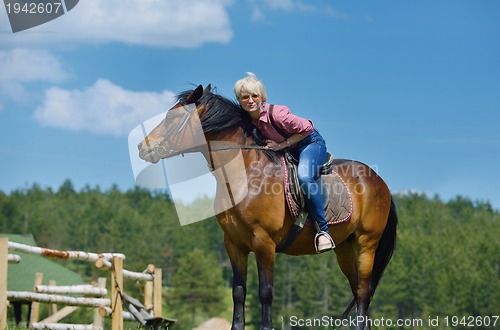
(172, 119)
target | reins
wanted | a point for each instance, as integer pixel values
(163, 152)
(179, 128)
(237, 147)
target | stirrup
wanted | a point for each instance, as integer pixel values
(320, 248)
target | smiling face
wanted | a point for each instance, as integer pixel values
(250, 93)
(250, 102)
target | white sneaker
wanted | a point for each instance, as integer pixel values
(323, 242)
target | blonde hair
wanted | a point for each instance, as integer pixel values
(250, 84)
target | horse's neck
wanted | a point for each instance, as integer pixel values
(239, 169)
(222, 150)
(247, 179)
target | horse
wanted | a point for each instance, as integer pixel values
(260, 221)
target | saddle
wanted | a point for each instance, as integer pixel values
(336, 196)
(298, 202)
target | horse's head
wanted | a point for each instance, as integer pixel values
(179, 132)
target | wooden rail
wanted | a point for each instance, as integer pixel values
(75, 255)
(51, 294)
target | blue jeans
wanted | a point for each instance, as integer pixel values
(311, 153)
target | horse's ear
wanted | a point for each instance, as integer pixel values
(207, 89)
(195, 95)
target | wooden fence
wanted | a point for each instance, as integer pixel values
(148, 313)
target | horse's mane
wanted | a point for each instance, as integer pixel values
(223, 116)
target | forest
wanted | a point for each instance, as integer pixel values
(446, 263)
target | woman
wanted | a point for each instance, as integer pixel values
(285, 130)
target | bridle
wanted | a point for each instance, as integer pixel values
(179, 128)
(158, 147)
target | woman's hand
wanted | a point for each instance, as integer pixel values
(275, 146)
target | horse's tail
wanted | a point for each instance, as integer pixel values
(385, 248)
(383, 255)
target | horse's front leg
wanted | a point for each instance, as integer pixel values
(239, 264)
(265, 256)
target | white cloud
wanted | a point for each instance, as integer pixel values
(336, 14)
(20, 66)
(103, 108)
(259, 6)
(157, 23)
(289, 5)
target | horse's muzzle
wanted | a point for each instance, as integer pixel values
(148, 153)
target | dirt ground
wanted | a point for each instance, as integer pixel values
(216, 323)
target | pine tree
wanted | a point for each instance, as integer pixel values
(198, 288)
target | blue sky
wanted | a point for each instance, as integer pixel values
(409, 87)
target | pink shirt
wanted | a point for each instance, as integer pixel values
(284, 119)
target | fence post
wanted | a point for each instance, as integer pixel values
(35, 306)
(52, 307)
(148, 295)
(4, 252)
(98, 319)
(157, 309)
(117, 294)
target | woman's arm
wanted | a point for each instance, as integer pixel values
(275, 146)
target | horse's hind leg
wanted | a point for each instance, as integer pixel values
(348, 262)
(364, 291)
(239, 263)
(355, 258)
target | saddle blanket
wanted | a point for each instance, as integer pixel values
(336, 196)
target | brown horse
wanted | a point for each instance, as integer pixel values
(261, 220)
